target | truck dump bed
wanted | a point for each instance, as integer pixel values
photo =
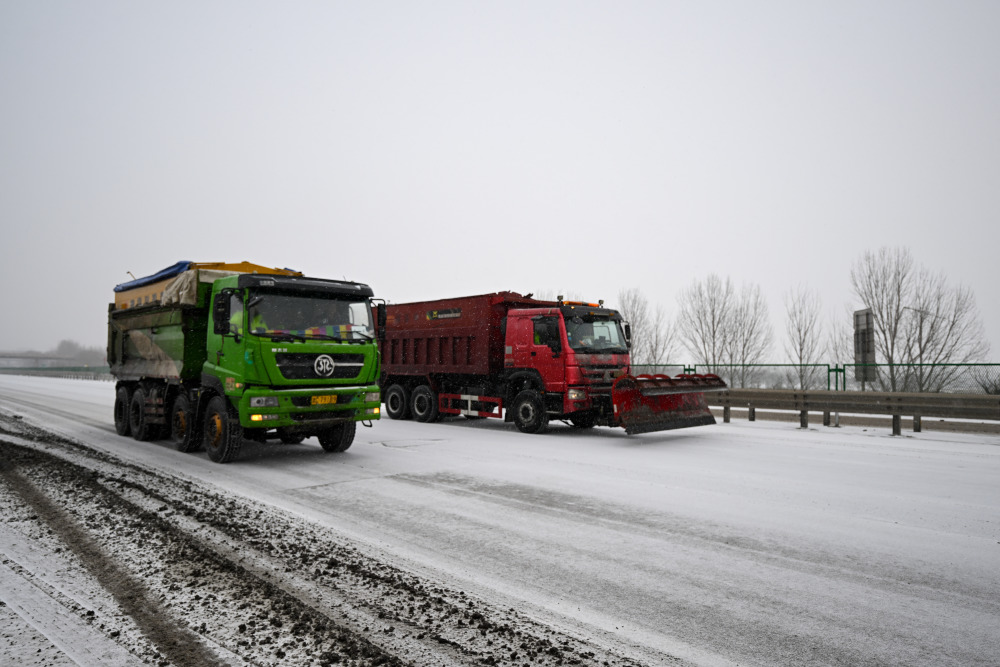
(166, 342)
(462, 335)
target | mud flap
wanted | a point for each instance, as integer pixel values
(649, 403)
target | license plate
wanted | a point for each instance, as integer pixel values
(323, 400)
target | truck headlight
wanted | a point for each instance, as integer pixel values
(576, 394)
(264, 402)
(372, 397)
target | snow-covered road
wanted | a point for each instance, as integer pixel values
(744, 543)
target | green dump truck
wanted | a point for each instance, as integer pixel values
(210, 354)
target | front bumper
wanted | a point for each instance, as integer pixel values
(579, 399)
(308, 407)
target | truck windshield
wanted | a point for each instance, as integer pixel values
(309, 317)
(595, 335)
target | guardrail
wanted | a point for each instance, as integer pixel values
(894, 404)
(971, 378)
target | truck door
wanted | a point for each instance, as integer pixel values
(546, 351)
(228, 356)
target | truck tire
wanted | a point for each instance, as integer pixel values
(338, 438)
(397, 402)
(529, 412)
(122, 400)
(223, 433)
(424, 404)
(183, 430)
(137, 423)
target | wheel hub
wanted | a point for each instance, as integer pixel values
(215, 430)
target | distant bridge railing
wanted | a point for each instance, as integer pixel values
(908, 378)
(72, 372)
(894, 404)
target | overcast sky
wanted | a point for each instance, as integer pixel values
(437, 149)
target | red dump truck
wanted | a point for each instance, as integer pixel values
(528, 361)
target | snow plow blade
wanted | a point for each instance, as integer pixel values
(648, 403)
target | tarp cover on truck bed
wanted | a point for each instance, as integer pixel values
(168, 272)
(178, 284)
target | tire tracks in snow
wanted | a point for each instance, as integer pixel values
(251, 584)
(178, 645)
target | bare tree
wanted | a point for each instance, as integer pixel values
(749, 335)
(73, 351)
(882, 281)
(662, 338)
(942, 327)
(635, 310)
(840, 340)
(919, 320)
(803, 336)
(554, 294)
(652, 333)
(704, 320)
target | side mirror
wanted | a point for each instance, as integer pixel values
(381, 317)
(628, 334)
(220, 313)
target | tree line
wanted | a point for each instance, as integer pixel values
(71, 353)
(921, 322)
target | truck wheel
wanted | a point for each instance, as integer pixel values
(338, 438)
(182, 426)
(141, 429)
(424, 404)
(223, 433)
(397, 402)
(529, 412)
(122, 400)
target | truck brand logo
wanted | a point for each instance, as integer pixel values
(324, 365)
(444, 314)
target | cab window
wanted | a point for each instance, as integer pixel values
(546, 331)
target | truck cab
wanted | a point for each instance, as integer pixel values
(577, 351)
(284, 348)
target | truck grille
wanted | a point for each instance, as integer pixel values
(600, 377)
(304, 366)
